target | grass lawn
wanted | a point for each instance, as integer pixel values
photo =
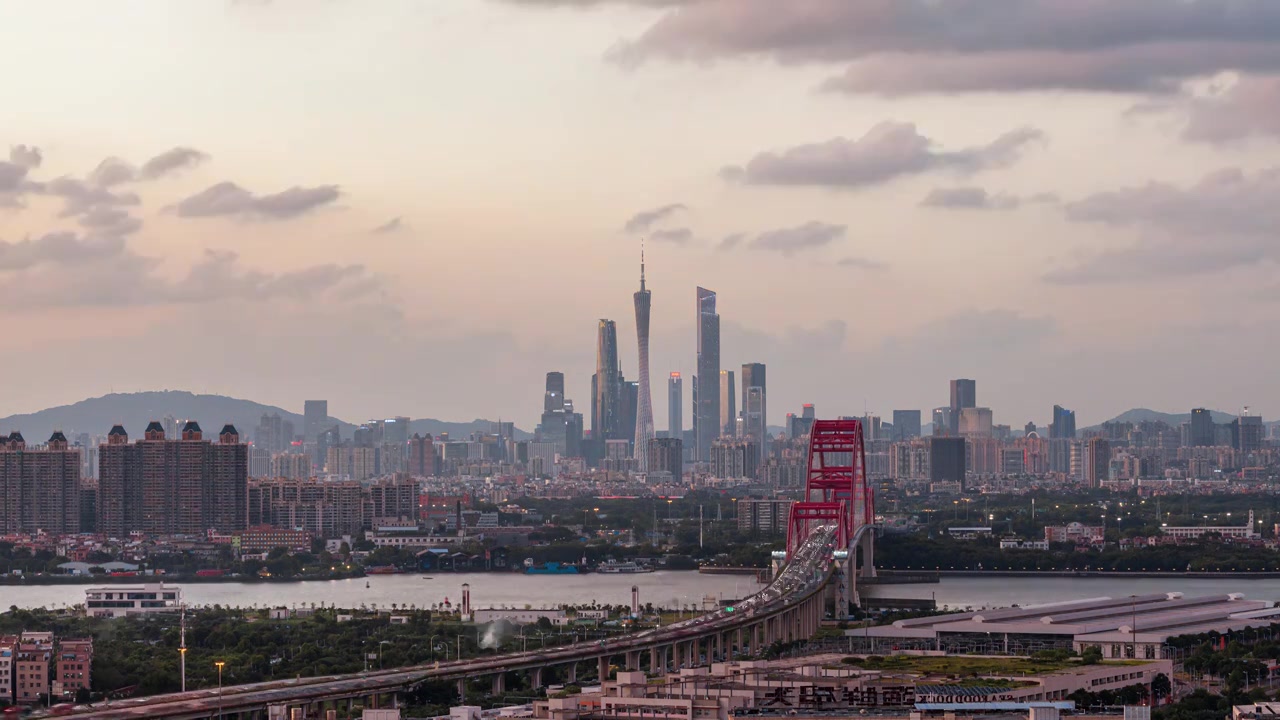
(962, 666)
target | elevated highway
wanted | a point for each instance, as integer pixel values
(790, 608)
(830, 536)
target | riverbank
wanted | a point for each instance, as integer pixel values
(1104, 574)
(41, 580)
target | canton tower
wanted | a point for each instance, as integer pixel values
(644, 403)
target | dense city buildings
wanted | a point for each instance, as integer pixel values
(1203, 432)
(1064, 423)
(734, 458)
(1097, 464)
(644, 432)
(755, 405)
(706, 384)
(39, 486)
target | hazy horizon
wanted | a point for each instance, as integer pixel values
(422, 210)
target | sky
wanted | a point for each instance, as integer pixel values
(419, 207)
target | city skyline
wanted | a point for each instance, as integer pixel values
(1056, 256)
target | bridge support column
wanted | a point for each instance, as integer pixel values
(572, 675)
(499, 684)
(462, 689)
(633, 660)
(535, 678)
(656, 666)
(602, 668)
(737, 640)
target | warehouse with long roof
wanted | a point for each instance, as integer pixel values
(1136, 627)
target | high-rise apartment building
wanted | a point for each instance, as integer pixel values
(1097, 461)
(1247, 432)
(160, 486)
(357, 463)
(643, 421)
(422, 454)
(964, 394)
(324, 508)
(666, 455)
(906, 425)
(1064, 424)
(675, 406)
(39, 487)
(706, 385)
(606, 420)
(295, 466)
(728, 405)
(1203, 431)
(947, 460)
(734, 458)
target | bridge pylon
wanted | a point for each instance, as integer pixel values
(836, 493)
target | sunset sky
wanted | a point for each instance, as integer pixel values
(419, 207)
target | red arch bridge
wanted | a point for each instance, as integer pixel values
(829, 545)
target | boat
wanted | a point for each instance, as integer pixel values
(623, 568)
(427, 577)
(382, 570)
(366, 584)
(551, 568)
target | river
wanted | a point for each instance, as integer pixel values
(666, 589)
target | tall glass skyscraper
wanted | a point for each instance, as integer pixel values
(644, 398)
(605, 421)
(675, 406)
(755, 413)
(706, 384)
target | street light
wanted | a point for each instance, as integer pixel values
(220, 663)
(380, 644)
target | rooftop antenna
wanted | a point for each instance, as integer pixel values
(641, 264)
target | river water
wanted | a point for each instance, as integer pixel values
(666, 589)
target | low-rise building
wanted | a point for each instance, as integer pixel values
(121, 600)
(521, 617)
(8, 652)
(265, 538)
(31, 668)
(1075, 532)
(72, 669)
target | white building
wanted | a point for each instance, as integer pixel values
(1195, 531)
(121, 600)
(521, 617)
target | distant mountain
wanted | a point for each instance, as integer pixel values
(1141, 415)
(134, 410)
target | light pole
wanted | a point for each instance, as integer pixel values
(380, 644)
(220, 663)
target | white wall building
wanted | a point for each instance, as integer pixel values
(120, 600)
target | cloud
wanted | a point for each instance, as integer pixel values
(68, 271)
(645, 219)
(789, 241)
(226, 199)
(391, 226)
(887, 151)
(109, 221)
(26, 156)
(910, 46)
(12, 176)
(675, 236)
(1225, 220)
(115, 171)
(80, 197)
(861, 263)
(59, 249)
(597, 3)
(1249, 108)
(974, 198)
(170, 161)
(731, 241)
